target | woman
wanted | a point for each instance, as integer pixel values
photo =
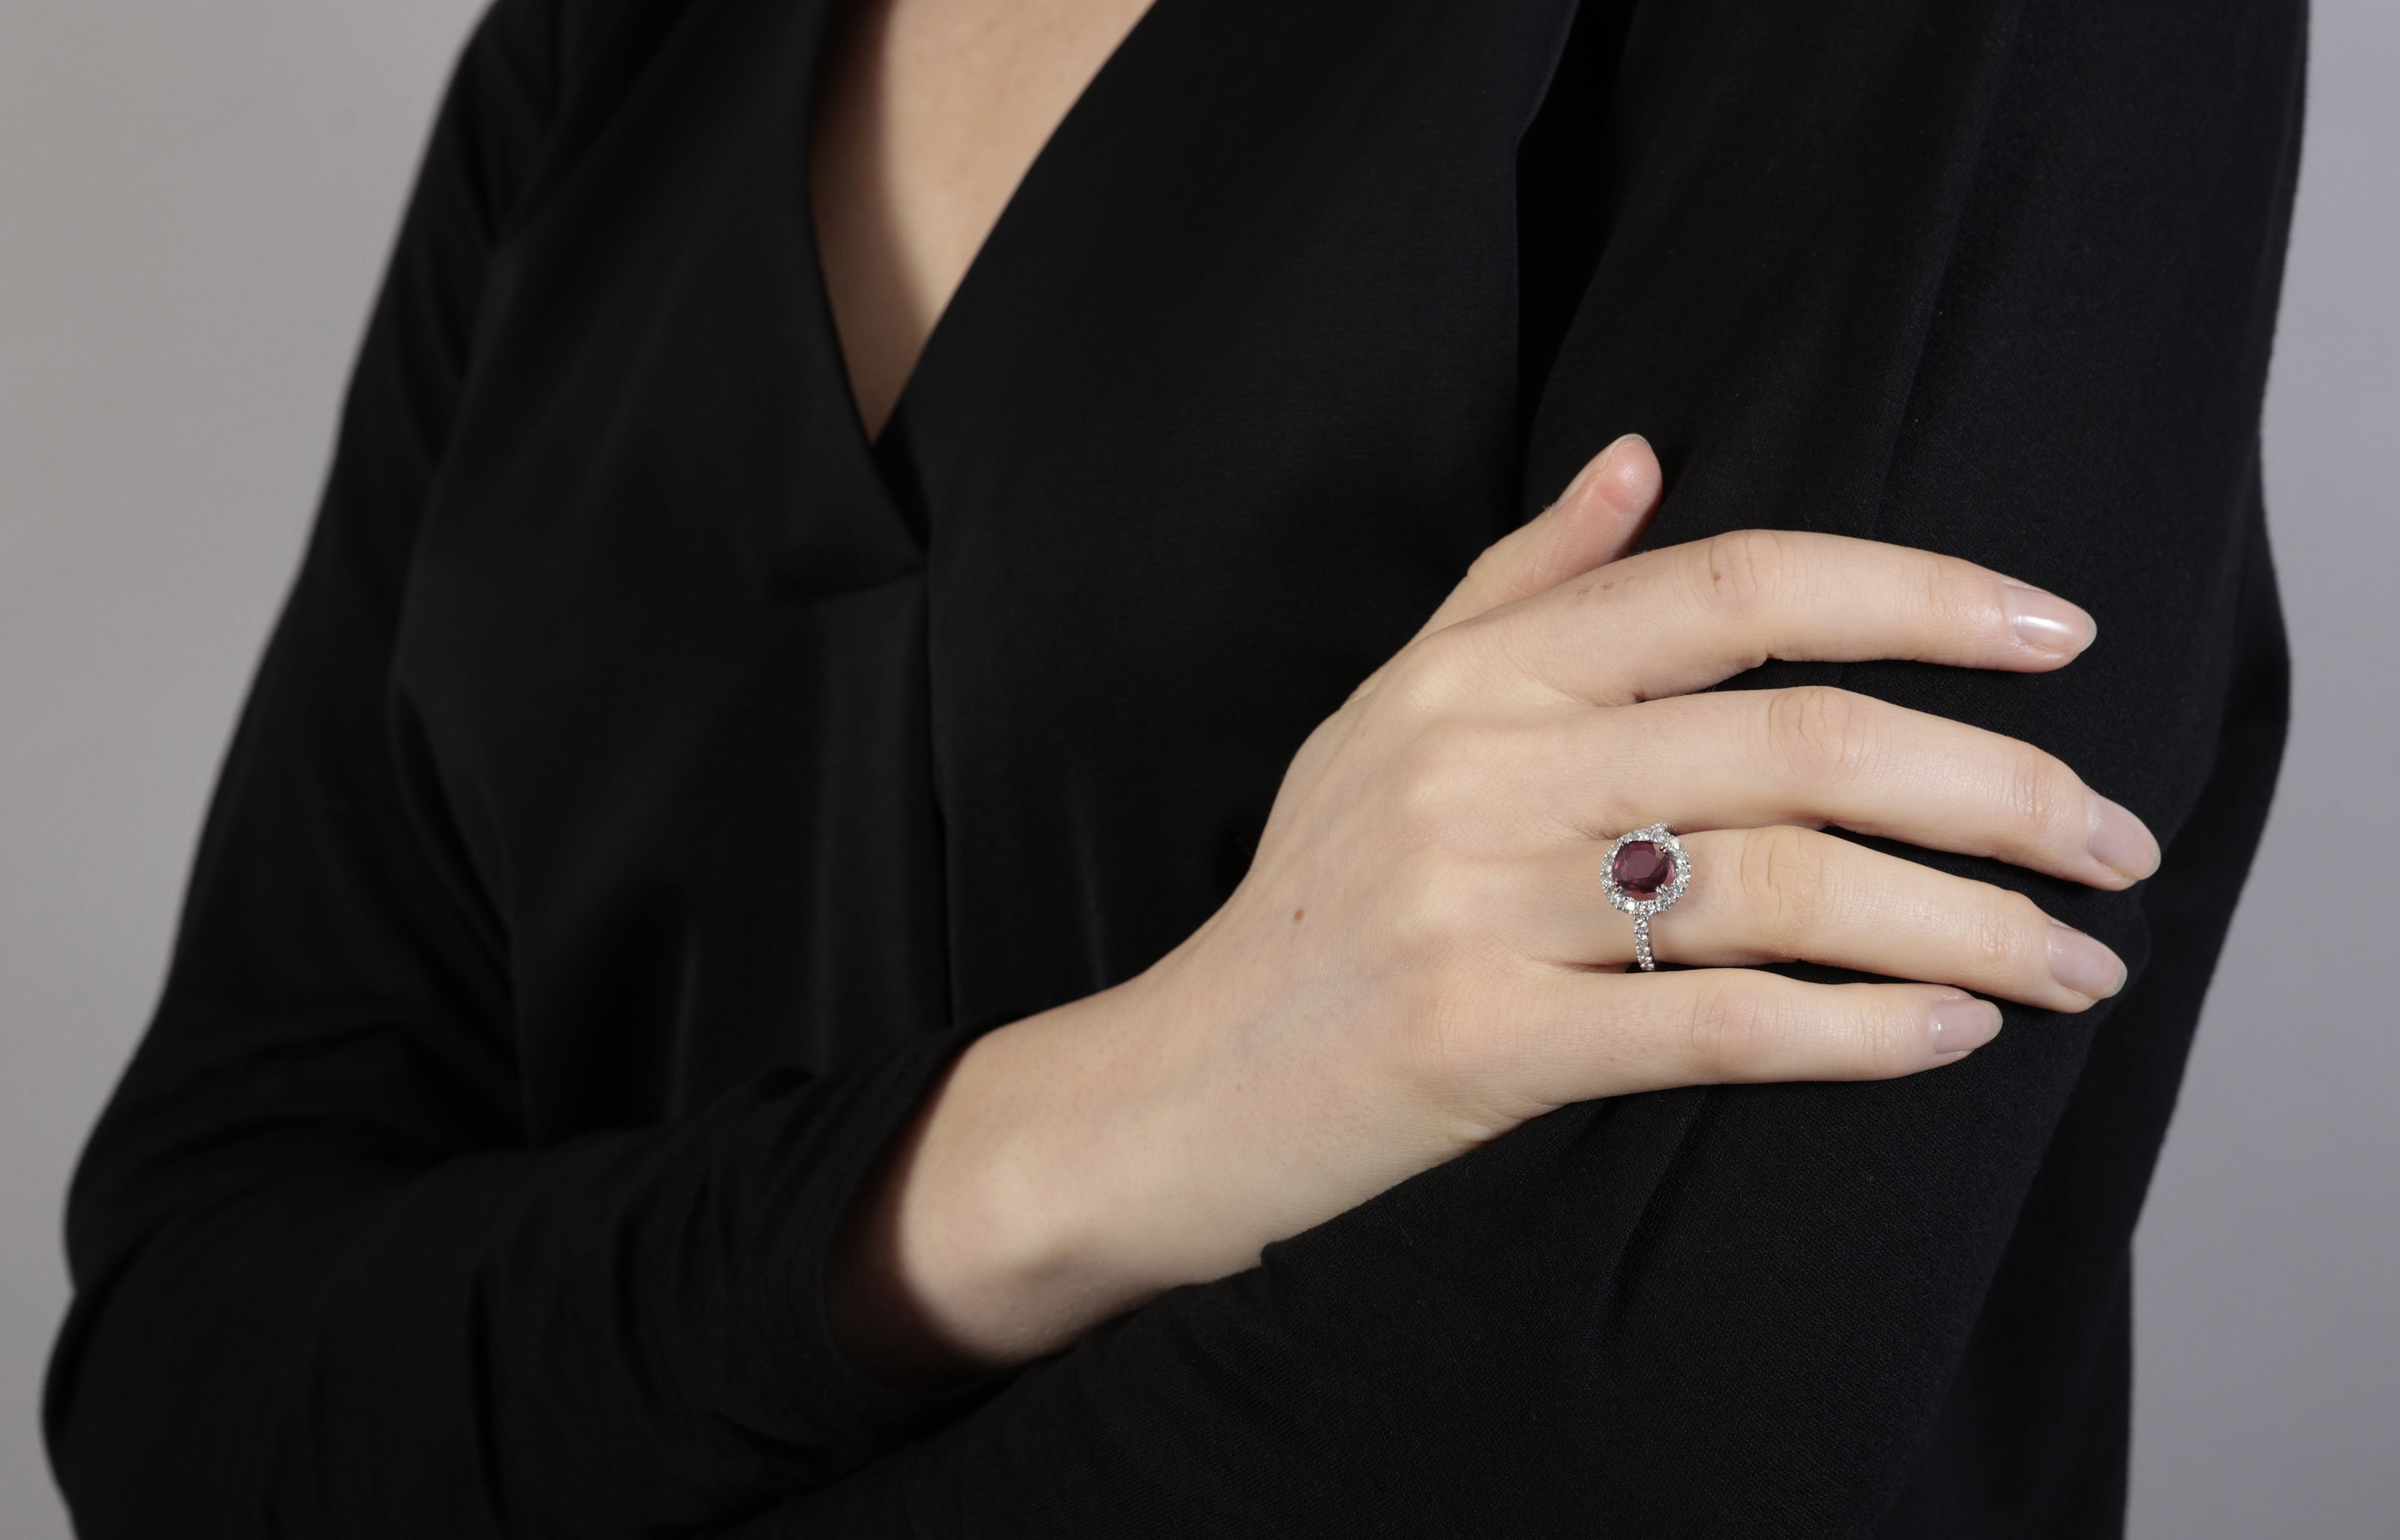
(763, 959)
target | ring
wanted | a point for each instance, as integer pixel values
(1645, 873)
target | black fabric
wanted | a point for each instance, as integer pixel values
(650, 785)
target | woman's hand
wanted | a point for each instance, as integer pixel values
(1422, 956)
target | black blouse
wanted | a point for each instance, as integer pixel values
(650, 784)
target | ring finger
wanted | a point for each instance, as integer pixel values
(1784, 894)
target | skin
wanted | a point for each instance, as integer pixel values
(1419, 959)
(930, 113)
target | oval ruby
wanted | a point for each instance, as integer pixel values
(1641, 867)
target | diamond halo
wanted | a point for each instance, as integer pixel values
(1663, 899)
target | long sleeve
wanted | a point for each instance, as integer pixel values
(326, 1283)
(650, 780)
(1994, 280)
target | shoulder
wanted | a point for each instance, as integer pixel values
(540, 81)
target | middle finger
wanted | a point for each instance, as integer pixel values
(1816, 756)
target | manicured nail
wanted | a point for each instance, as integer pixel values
(1959, 1024)
(2046, 623)
(2120, 841)
(1596, 467)
(2083, 964)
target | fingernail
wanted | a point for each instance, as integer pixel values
(2083, 964)
(2046, 623)
(1959, 1024)
(2120, 841)
(1596, 467)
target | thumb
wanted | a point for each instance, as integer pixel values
(1595, 521)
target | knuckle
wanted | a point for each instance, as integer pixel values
(2011, 936)
(1820, 734)
(1992, 941)
(1437, 776)
(1951, 598)
(1495, 564)
(1445, 1035)
(1734, 1026)
(1457, 1034)
(2037, 794)
(1885, 1041)
(1744, 570)
(1423, 912)
(1439, 671)
(1442, 1046)
(1614, 809)
(1783, 883)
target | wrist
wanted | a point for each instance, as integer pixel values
(1020, 1206)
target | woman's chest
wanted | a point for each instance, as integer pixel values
(983, 717)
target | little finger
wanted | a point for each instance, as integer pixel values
(1594, 1034)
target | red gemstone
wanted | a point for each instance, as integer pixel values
(1641, 867)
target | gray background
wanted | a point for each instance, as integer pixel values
(194, 205)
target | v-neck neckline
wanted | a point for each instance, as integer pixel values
(881, 451)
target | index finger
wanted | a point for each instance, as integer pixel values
(1673, 622)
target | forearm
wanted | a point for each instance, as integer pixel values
(626, 1330)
